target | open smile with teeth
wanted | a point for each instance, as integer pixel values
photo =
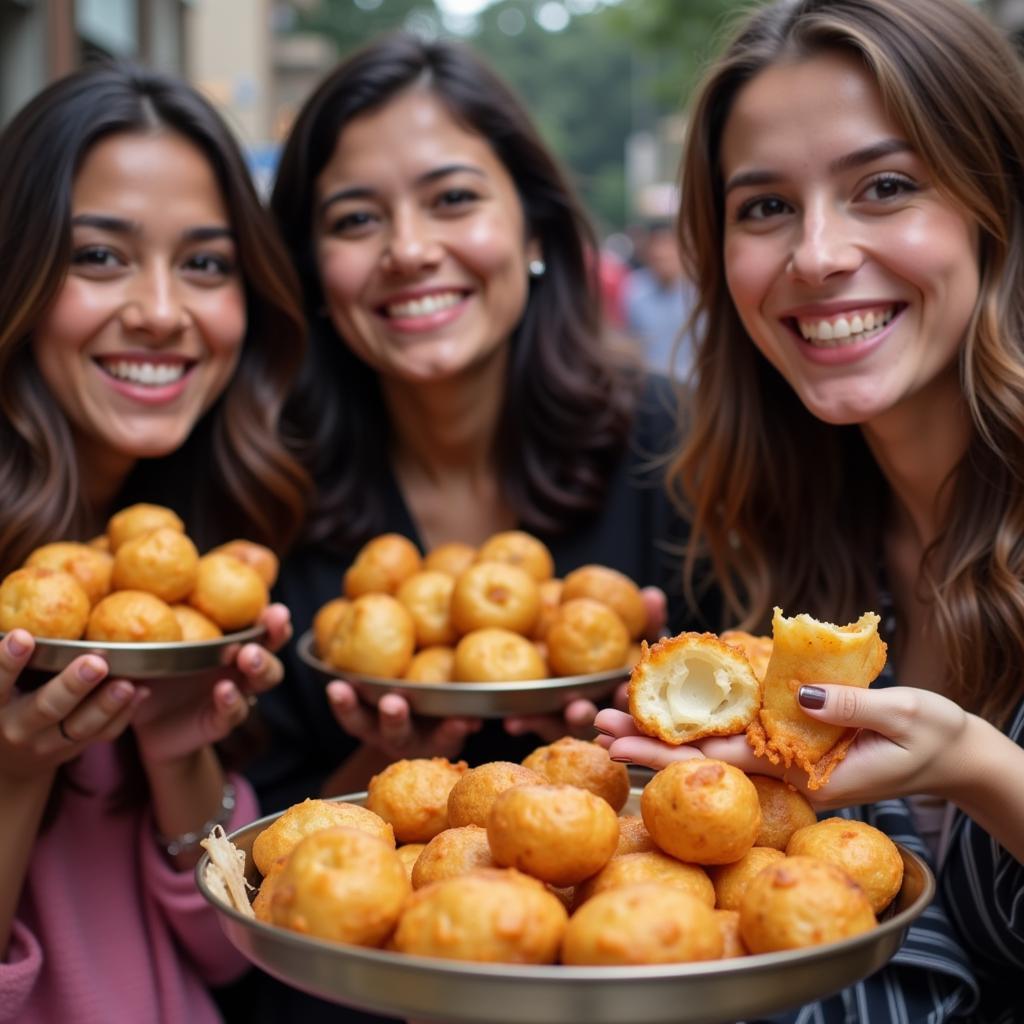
(845, 328)
(154, 375)
(423, 306)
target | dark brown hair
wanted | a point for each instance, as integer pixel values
(567, 406)
(790, 509)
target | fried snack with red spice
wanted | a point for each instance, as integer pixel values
(262, 900)
(653, 866)
(256, 556)
(586, 636)
(495, 595)
(381, 565)
(610, 587)
(325, 622)
(731, 880)
(515, 547)
(375, 636)
(701, 811)
(431, 665)
(799, 902)
(341, 884)
(633, 835)
(867, 855)
(729, 924)
(46, 602)
(163, 562)
(642, 924)
(91, 567)
(692, 685)
(427, 597)
(279, 838)
(195, 625)
(559, 834)
(489, 916)
(471, 798)
(453, 852)
(409, 854)
(413, 796)
(494, 655)
(229, 592)
(808, 651)
(758, 649)
(573, 762)
(132, 617)
(136, 520)
(453, 557)
(783, 811)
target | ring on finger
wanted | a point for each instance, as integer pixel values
(64, 732)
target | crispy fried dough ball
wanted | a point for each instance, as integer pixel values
(653, 866)
(758, 649)
(453, 558)
(409, 854)
(633, 835)
(381, 565)
(90, 566)
(262, 901)
(802, 901)
(413, 796)
(783, 811)
(586, 636)
(610, 587)
(494, 594)
(867, 855)
(427, 597)
(99, 543)
(495, 656)
(375, 636)
(46, 602)
(573, 762)
(229, 592)
(471, 798)
(136, 520)
(731, 880)
(453, 852)
(488, 916)
(163, 562)
(195, 625)
(132, 617)
(257, 556)
(431, 665)
(279, 838)
(326, 621)
(514, 547)
(550, 598)
(341, 884)
(559, 834)
(732, 941)
(642, 924)
(701, 811)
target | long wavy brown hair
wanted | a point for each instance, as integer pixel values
(234, 476)
(791, 510)
(568, 401)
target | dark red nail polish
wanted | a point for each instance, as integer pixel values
(622, 760)
(811, 697)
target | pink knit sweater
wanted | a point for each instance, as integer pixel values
(107, 930)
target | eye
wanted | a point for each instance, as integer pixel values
(209, 265)
(456, 197)
(97, 257)
(353, 223)
(888, 186)
(762, 208)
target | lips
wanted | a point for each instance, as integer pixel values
(849, 327)
(422, 305)
(144, 372)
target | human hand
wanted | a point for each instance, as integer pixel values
(576, 719)
(656, 604)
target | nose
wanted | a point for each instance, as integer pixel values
(827, 244)
(411, 245)
(153, 304)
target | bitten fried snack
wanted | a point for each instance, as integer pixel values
(808, 651)
(692, 685)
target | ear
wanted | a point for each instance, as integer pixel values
(534, 250)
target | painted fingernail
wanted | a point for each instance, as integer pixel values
(811, 697)
(16, 646)
(89, 672)
(231, 698)
(603, 732)
(256, 661)
(622, 760)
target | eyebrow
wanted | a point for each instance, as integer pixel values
(120, 226)
(366, 192)
(859, 157)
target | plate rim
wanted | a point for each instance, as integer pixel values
(242, 636)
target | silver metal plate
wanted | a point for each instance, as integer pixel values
(425, 989)
(476, 700)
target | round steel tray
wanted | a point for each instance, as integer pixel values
(144, 661)
(477, 700)
(456, 992)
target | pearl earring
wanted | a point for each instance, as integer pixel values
(537, 268)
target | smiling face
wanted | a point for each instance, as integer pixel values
(146, 329)
(420, 241)
(852, 273)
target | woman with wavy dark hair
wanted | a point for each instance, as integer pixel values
(148, 334)
(853, 210)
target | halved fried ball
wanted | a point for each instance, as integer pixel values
(46, 602)
(136, 520)
(453, 852)
(731, 880)
(471, 798)
(90, 566)
(326, 621)
(783, 811)
(452, 557)
(516, 547)
(758, 649)
(229, 592)
(581, 763)
(195, 625)
(163, 562)
(413, 796)
(431, 665)
(652, 866)
(610, 587)
(586, 636)
(375, 636)
(495, 595)
(381, 565)
(132, 617)
(427, 597)
(496, 655)
(258, 556)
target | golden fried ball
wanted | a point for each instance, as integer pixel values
(381, 565)
(642, 924)
(783, 811)
(802, 901)
(163, 562)
(375, 636)
(515, 547)
(550, 598)
(257, 556)
(495, 656)
(758, 649)
(574, 762)
(341, 884)
(488, 916)
(633, 835)
(453, 558)
(195, 625)
(326, 621)
(610, 587)
(652, 866)
(46, 602)
(453, 852)
(471, 798)
(408, 855)
(494, 594)
(731, 880)
(702, 811)
(431, 665)
(229, 592)
(262, 901)
(732, 941)
(413, 796)
(132, 617)
(90, 566)
(100, 543)
(280, 837)
(136, 520)
(559, 834)
(867, 855)
(427, 597)
(586, 636)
